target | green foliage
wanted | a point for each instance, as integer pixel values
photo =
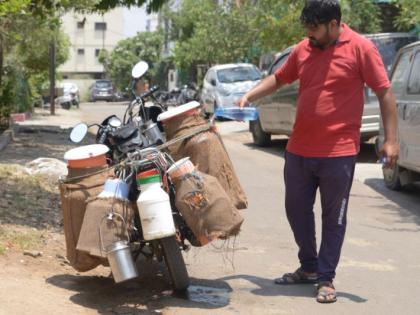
(207, 33)
(361, 15)
(145, 46)
(409, 17)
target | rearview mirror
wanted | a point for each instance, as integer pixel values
(139, 69)
(79, 132)
(213, 82)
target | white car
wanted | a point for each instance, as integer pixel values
(225, 84)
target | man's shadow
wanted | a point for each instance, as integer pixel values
(267, 287)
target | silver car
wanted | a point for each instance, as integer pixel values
(225, 84)
(405, 80)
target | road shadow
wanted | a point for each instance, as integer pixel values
(147, 295)
(267, 287)
(405, 202)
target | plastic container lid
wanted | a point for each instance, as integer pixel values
(179, 110)
(86, 156)
(149, 180)
(180, 168)
(148, 173)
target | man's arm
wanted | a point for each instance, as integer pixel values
(265, 87)
(389, 118)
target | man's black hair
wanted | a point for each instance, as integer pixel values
(318, 12)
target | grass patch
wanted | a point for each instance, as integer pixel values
(28, 200)
(19, 238)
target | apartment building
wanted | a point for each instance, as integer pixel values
(91, 33)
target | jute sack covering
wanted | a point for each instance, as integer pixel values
(208, 154)
(111, 230)
(74, 193)
(206, 208)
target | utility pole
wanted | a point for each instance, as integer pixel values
(52, 73)
(1, 57)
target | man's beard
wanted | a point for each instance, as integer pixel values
(322, 42)
(314, 42)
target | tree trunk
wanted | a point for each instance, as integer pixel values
(52, 76)
(1, 58)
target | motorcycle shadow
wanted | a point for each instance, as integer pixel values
(147, 294)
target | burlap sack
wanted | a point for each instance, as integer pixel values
(112, 231)
(74, 193)
(206, 208)
(208, 154)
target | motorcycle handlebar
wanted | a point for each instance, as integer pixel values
(152, 90)
(104, 135)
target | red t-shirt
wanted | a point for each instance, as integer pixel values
(331, 93)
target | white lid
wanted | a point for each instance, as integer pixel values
(178, 110)
(177, 164)
(85, 152)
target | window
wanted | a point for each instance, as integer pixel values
(238, 74)
(399, 74)
(80, 25)
(81, 52)
(97, 52)
(100, 26)
(414, 80)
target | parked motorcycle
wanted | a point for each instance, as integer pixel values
(70, 95)
(188, 93)
(134, 148)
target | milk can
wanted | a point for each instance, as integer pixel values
(154, 207)
(119, 254)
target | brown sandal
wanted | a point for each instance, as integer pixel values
(297, 277)
(324, 295)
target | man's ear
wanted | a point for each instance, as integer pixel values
(334, 23)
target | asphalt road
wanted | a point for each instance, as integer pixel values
(379, 271)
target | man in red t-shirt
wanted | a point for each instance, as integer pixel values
(332, 64)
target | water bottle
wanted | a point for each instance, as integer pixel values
(236, 113)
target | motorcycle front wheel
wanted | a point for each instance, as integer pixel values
(175, 263)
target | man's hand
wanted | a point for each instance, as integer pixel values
(390, 152)
(388, 105)
(242, 102)
(265, 87)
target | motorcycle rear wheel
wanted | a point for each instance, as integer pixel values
(175, 263)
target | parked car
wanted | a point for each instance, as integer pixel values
(102, 90)
(405, 78)
(277, 112)
(224, 84)
(70, 95)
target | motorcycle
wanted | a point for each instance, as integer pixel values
(70, 96)
(188, 93)
(135, 147)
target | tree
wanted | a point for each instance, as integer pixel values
(409, 16)
(145, 46)
(207, 33)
